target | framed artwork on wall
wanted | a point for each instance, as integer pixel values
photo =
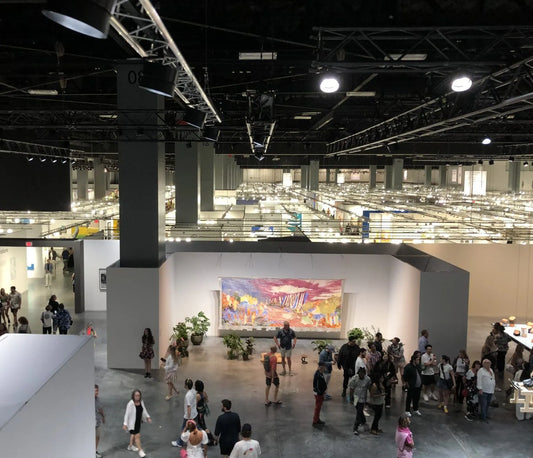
(307, 304)
(102, 279)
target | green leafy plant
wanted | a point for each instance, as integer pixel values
(319, 345)
(250, 345)
(198, 324)
(180, 337)
(370, 335)
(234, 345)
(357, 333)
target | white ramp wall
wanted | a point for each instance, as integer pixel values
(47, 396)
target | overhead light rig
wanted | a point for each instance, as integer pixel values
(260, 122)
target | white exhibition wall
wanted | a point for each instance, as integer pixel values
(49, 414)
(13, 268)
(97, 254)
(501, 281)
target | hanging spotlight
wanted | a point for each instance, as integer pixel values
(461, 83)
(211, 133)
(259, 154)
(511, 158)
(486, 141)
(64, 161)
(194, 118)
(480, 162)
(89, 17)
(30, 158)
(157, 78)
(526, 164)
(53, 160)
(491, 162)
(329, 84)
(42, 159)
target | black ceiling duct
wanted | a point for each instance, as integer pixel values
(157, 78)
(88, 17)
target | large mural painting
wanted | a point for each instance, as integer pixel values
(268, 302)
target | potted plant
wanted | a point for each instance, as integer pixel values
(358, 334)
(250, 344)
(319, 345)
(234, 345)
(180, 337)
(197, 326)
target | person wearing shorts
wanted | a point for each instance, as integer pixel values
(429, 363)
(15, 303)
(286, 343)
(272, 377)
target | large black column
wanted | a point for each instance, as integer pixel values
(207, 177)
(187, 170)
(142, 172)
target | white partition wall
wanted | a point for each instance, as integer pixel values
(47, 396)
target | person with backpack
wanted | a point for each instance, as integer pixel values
(62, 319)
(270, 365)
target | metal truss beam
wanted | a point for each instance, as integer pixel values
(141, 27)
(418, 49)
(499, 95)
(36, 149)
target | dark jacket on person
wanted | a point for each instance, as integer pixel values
(319, 383)
(347, 356)
(409, 374)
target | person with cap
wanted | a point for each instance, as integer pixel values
(319, 389)
(346, 360)
(227, 428)
(359, 384)
(326, 357)
(247, 447)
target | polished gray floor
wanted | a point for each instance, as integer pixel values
(283, 431)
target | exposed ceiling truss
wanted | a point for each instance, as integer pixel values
(499, 95)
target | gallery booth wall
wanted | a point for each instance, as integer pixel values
(393, 288)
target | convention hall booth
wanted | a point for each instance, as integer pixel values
(322, 289)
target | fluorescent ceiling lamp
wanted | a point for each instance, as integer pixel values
(361, 94)
(486, 141)
(88, 17)
(416, 57)
(329, 84)
(258, 55)
(461, 84)
(302, 117)
(42, 91)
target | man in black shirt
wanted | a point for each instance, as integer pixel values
(319, 389)
(227, 428)
(286, 343)
(346, 360)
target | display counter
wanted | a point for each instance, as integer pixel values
(525, 341)
(523, 398)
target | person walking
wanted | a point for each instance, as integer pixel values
(396, 355)
(15, 304)
(100, 418)
(63, 320)
(286, 343)
(227, 428)
(460, 366)
(359, 384)
(48, 271)
(271, 376)
(195, 440)
(413, 380)
(202, 407)
(319, 389)
(4, 307)
(47, 318)
(486, 383)
(326, 357)
(136, 413)
(472, 397)
(404, 438)
(387, 370)
(24, 327)
(64, 257)
(346, 360)
(171, 364)
(54, 308)
(247, 447)
(189, 409)
(147, 351)
(446, 382)
(376, 401)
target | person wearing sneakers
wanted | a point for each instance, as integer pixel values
(319, 389)
(286, 343)
(429, 363)
(171, 364)
(446, 382)
(326, 357)
(189, 408)
(135, 414)
(359, 384)
(271, 376)
(413, 379)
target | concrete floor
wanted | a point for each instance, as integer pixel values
(283, 431)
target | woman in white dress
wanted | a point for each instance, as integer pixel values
(171, 361)
(195, 439)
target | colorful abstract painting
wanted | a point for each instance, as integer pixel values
(268, 302)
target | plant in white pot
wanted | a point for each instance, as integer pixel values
(197, 326)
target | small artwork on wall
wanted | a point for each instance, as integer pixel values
(268, 302)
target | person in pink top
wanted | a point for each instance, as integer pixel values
(404, 437)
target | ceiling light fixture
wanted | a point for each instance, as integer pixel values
(89, 17)
(486, 141)
(461, 83)
(361, 94)
(42, 91)
(412, 57)
(30, 158)
(157, 78)
(491, 162)
(53, 160)
(258, 55)
(525, 164)
(511, 158)
(480, 162)
(211, 133)
(329, 84)
(194, 118)
(42, 159)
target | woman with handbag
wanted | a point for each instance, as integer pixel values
(460, 366)
(136, 413)
(202, 407)
(147, 351)
(446, 382)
